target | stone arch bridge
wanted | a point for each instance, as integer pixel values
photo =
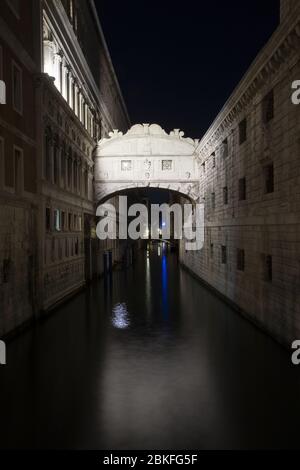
(146, 157)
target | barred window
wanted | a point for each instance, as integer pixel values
(269, 178)
(268, 107)
(225, 148)
(223, 254)
(241, 260)
(243, 131)
(48, 219)
(242, 189)
(267, 261)
(225, 195)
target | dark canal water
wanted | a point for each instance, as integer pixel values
(150, 360)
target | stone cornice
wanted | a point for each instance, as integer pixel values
(107, 54)
(46, 81)
(148, 130)
(59, 19)
(283, 43)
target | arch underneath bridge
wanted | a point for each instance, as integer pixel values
(146, 157)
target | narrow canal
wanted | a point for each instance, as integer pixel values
(148, 359)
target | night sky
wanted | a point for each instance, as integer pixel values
(178, 63)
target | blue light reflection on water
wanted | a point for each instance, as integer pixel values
(164, 278)
(197, 379)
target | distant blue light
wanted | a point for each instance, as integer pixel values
(165, 287)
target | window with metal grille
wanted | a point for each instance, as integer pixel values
(225, 148)
(269, 178)
(223, 254)
(48, 219)
(225, 195)
(243, 131)
(241, 260)
(268, 107)
(267, 261)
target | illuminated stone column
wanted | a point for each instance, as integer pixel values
(65, 81)
(71, 81)
(59, 71)
(80, 106)
(86, 116)
(49, 57)
(76, 97)
(92, 126)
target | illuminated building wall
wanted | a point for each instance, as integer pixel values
(249, 180)
(62, 96)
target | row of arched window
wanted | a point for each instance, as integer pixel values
(64, 167)
(57, 65)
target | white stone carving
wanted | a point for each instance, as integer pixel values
(166, 165)
(158, 159)
(126, 165)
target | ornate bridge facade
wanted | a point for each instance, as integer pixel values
(146, 156)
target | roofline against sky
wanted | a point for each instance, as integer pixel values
(278, 36)
(96, 17)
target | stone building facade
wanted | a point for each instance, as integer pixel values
(80, 100)
(19, 62)
(62, 97)
(249, 181)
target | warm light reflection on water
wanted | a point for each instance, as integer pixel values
(120, 317)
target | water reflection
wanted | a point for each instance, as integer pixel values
(164, 282)
(120, 317)
(148, 286)
(157, 363)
